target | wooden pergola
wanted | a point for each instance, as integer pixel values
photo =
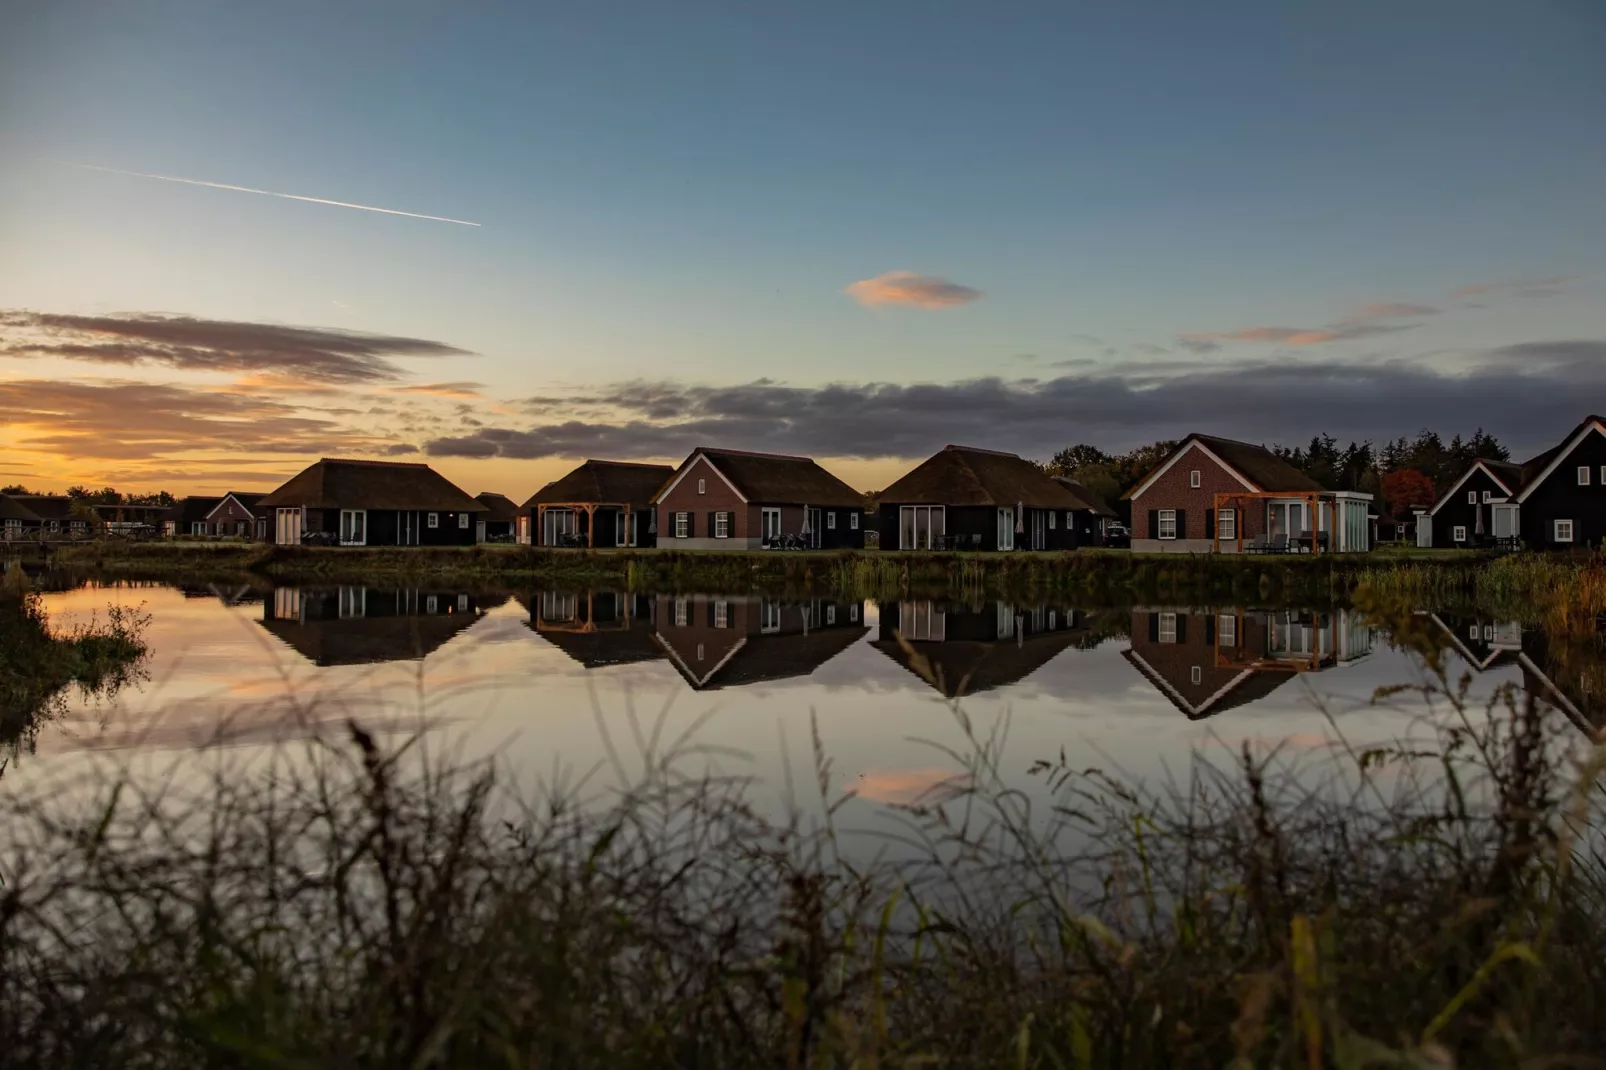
(1234, 500)
(1303, 663)
(590, 510)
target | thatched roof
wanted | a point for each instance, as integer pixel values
(45, 506)
(192, 510)
(620, 482)
(967, 666)
(1089, 501)
(965, 475)
(342, 484)
(599, 649)
(775, 478)
(11, 509)
(1532, 469)
(499, 508)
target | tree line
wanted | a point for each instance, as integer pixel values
(103, 496)
(1402, 474)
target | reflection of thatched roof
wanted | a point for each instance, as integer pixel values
(367, 640)
(340, 484)
(964, 475)
(619, 482)
(1248, 687)
(762, 658)
(612, 646)
(967, 667)
(778, 478)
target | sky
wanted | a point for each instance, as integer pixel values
(858, 232)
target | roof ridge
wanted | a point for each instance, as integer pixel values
(628, 464)
(979, 449)
(374, 464)
(705, 450)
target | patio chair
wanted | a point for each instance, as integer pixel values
(1278, 544)
(1257, 545)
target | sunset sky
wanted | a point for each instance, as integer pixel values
(854, 231)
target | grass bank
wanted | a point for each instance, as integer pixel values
(357, 904)
(1107, 576)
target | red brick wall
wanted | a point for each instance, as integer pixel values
(1197, 647)
(718, 497)
(229, 514)
(1171, 491)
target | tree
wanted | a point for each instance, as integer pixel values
(15, 488)
(1071, 458)
(1404, 489)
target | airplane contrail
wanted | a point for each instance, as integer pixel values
(271, 193)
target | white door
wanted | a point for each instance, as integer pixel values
(1039, 530)
(1006, 529)
(772, 525)
(287, 527)
(1424, 530)
(1505, 521)
(814, 520)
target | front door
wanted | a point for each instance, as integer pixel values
(814, 527)
(772, 525)
(406, 528)
(1006, 529)
(1039, 529)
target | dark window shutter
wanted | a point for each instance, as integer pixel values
(691, 525)
(1182, 523)
(1182, 627)
(1210, 524)
(713, 529)
(1154, 524)
(1210, 629)
(710, 612)
(1154, 627)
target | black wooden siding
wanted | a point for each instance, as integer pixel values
(1561, 498)
(1458, 512)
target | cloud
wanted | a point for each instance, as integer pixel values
(399, 449)
(1545, 287)
(1527, 394)
(442, 390)
(284, 356)
(1389, 310)
(908, 288)
(912, 787)
(1365, 322)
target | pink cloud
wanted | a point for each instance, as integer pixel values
(1388, 310)
(908, 288)
(908, 787)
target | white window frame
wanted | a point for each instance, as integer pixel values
(346, 527)
(682, 524)
(1195, 675)
(1051, 515)
(1556, 530)
(766, 529)
(722, 613)
(830, 614)
(431, 603)
(1603, 475)
(197, 527)
(853, 612)
(935, 515)
(1193, 479)
(702, 486)
(353, 603)
(722, 525)
(853, 520)
(1226, 629)
(619, 535)
(699, 651)
(1168, 628)
(462, 521)
(1458, 533)
(1472, 497)
(1487, 497)
(830, 520)
(1472, 632)
(1227, 524)
(769, 614)
(433, 520)
(682, 612)
(1164, 517)
(462, 603)
(1584, 475)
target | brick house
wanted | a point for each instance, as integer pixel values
(237, 515)
(973, 499)
(1261, 496)
(717, 641)
(187, 516)
(372, 503)
(1554, 501)
(600, 504)
(731, 500)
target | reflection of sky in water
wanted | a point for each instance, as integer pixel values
(496, 688)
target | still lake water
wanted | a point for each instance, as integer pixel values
(559, 686)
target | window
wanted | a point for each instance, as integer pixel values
(353, 602)
(1227, 524)
(920, 527)
(462, 603)
(1168, 524)
(830, 520)
(682, 522)
(1459, 533)
(1053, 620)
(772, 524)
(1488, 633)
(462, 521)
(699, 652)
(433, 520)
(1563, 531)
(353, 527)
(1472, 497)
(722, 613)
(1603, 475)
(1226, 630)
(1583, 475)
(1070, 520)
(853, 520)
(702, 486)
(431, 604)
(1195, 674)
(722, 525)
(198, 527)
(682, 612)
(853, 612)
(1051, 520)
(830, 614)
(769, 617)
(1168, 627)
(54, 525)
(1193, 479)
(1472, 632)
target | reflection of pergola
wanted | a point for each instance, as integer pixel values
(1312, 662)
(1234, 499)
(589, 508)
(585, 623)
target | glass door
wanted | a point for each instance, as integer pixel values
(814, 520)
(772, 525)
(1006, 529)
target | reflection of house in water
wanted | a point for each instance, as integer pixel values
(1207, 661)
(1564, 677)
(960, 650)
(716, 641)
(361, 625)
(597, 628)
(230, 594)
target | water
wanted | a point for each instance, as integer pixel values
(565, 686)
